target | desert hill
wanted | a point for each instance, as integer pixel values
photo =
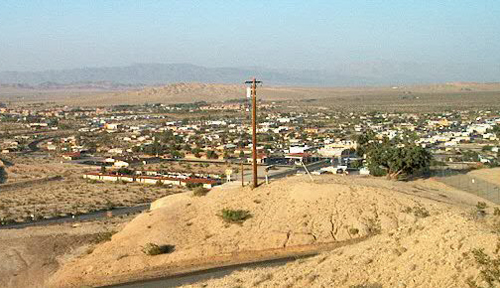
(402, 230)
(433, 95)
(435, 252)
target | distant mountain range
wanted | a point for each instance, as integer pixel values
(355, 74)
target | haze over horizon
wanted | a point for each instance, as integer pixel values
(343, 43)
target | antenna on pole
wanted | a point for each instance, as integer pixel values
(253, 91)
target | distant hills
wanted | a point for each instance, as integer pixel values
(354, 74)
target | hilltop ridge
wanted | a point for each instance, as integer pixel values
(291, 215)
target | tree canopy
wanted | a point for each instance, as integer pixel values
(394, 158)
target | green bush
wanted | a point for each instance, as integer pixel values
(353, 231)
(496, 211)
(481, 206)
(193, 185)
(200, 191)
(373, 226)
(420, 212)
(489, 269)
(367, 285)
(152, 249)
(235, 216)
(104, 236)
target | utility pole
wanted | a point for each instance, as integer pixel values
(242, 175)
(254, 83)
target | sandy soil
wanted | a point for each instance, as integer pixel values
(29, 256)
(287, 214)
(433, 252)
(490, 175)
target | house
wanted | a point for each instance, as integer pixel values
(337, 148)
(261, 159)
(112, 126)
(121, 164)
(71, 156)
(299, 158)
(300, 149)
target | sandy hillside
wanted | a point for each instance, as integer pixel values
(192, 92)
(490, 175)
(29, 256)
(290, 214)
(434, 252)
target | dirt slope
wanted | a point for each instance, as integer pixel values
(29, 256)
(434, 252)
(491, 175)
(287, 214)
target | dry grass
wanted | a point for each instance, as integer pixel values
(70, 195)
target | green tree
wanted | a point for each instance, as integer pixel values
(212, 154)
(364, 141)
(394, 160)
(3, 175)
(125, 171)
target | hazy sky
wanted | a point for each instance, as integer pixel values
(308, 34)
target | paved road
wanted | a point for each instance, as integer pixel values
(279, 172)
(193, 277)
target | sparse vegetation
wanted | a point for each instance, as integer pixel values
(489, 268)
(200, 191)
(353, 231)
(373, 226)
(235, 216)
(152, 249)
(367, 285)
(481, 207)
(496, 211)
(103, 236)
(417, 211)
(420, 212)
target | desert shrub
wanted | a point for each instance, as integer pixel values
(496, 211)
(353, 231)
(481, 206)
(104, 236)
(407, 210)
(235, 216)
(193, 185)
(373, 226)
(152, 249)
(200, 191)
(420, 212)
(496, 228)
(489, 269)
(367, 285)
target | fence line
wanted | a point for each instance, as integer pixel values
(471, 184)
